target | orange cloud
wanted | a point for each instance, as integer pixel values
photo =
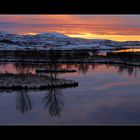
(116, 27)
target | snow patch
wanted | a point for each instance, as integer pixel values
(58, 41)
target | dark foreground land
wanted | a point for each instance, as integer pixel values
(53, 59)
(76, 56)
(32, 81)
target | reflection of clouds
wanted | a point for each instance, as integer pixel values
(117, 84)
(115, 110)
(100, 109)
(103, 107)
(89, 106)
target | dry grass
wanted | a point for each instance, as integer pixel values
(25, 81)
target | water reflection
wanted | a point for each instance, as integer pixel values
(23, 102)
(82, 68)
(122, 69)
(23, 66)
(85, 68)
(130, 70)
(53, 102)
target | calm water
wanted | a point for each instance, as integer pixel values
(107, 94)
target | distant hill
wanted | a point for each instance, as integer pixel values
(58, 41)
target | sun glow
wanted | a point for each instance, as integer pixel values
(111, 27)
(95, 36)
(106, 36)
(129, 50)
(30, 33)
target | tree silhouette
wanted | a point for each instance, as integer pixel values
(23, 102)
(53, 102)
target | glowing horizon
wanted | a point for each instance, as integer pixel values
(112, 27)
(128, 50)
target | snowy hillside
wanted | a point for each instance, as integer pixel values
(57, 41)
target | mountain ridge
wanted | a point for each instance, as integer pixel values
(57, 41)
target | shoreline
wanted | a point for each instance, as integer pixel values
(73, 62)
(32, 82)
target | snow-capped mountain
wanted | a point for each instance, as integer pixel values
(57, 41)
(51, 35)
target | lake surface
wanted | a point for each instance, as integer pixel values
(106, 94)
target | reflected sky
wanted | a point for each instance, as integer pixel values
(114, 27)
(101, 98)
(82, 69)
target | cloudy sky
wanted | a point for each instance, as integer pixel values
(115, 27)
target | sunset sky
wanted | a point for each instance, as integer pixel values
(114, 27)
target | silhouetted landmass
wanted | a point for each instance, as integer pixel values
(6, 41)
(32, 81)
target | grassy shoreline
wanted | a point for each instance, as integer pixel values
(32, 81)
